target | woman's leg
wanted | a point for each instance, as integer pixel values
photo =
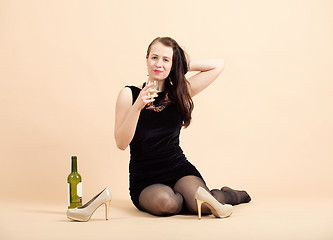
(160, 200)
(188, 185)
(231, 196)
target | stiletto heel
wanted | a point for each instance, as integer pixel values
(218, 209)
(85, 212)
(107, 207)
(199, 202)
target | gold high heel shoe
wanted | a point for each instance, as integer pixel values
(85, 212)
(218, 209)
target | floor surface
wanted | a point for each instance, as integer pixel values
(293, 218)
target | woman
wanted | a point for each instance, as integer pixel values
(162, 180)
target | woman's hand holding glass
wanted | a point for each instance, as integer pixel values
(148, 94)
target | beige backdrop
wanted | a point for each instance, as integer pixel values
(265, 125)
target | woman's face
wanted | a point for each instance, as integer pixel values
(159, 61)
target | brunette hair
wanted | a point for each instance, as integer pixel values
(176, 83)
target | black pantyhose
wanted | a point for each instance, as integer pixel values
(231, 196)
(162, 200)
(187, 187)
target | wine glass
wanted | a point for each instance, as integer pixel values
(154, 86)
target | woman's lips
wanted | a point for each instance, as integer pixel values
(158, 71)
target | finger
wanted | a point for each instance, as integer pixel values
(148, 98)
(147, 102)
(152, 95)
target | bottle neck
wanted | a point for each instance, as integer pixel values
(74, 165)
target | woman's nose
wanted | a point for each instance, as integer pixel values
(159, 63)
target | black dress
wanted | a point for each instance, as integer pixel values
(156, 156)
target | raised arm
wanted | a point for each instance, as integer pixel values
(127, 115)
(209, 70)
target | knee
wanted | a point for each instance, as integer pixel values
(168, 205)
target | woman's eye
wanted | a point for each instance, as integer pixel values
(154, 57)
(166, 60)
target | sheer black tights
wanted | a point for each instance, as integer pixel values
(162, 200)
(159, 199)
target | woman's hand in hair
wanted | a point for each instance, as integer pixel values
(209, 70)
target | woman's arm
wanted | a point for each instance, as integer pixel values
(209, 71)
(127, 115)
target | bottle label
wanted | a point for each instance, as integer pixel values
(79, 189)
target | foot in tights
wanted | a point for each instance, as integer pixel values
(234, 197)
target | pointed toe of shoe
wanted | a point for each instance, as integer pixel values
(78, 215)
(224, 211)
(228, 210)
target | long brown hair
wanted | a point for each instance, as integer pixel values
(176, 83)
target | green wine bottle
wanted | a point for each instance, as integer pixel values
(74, 186)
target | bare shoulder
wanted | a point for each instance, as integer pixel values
(125, 96)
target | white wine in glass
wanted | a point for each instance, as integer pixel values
(154, 86)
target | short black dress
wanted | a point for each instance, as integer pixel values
(156, 156)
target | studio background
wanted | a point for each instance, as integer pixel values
(265, 125)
